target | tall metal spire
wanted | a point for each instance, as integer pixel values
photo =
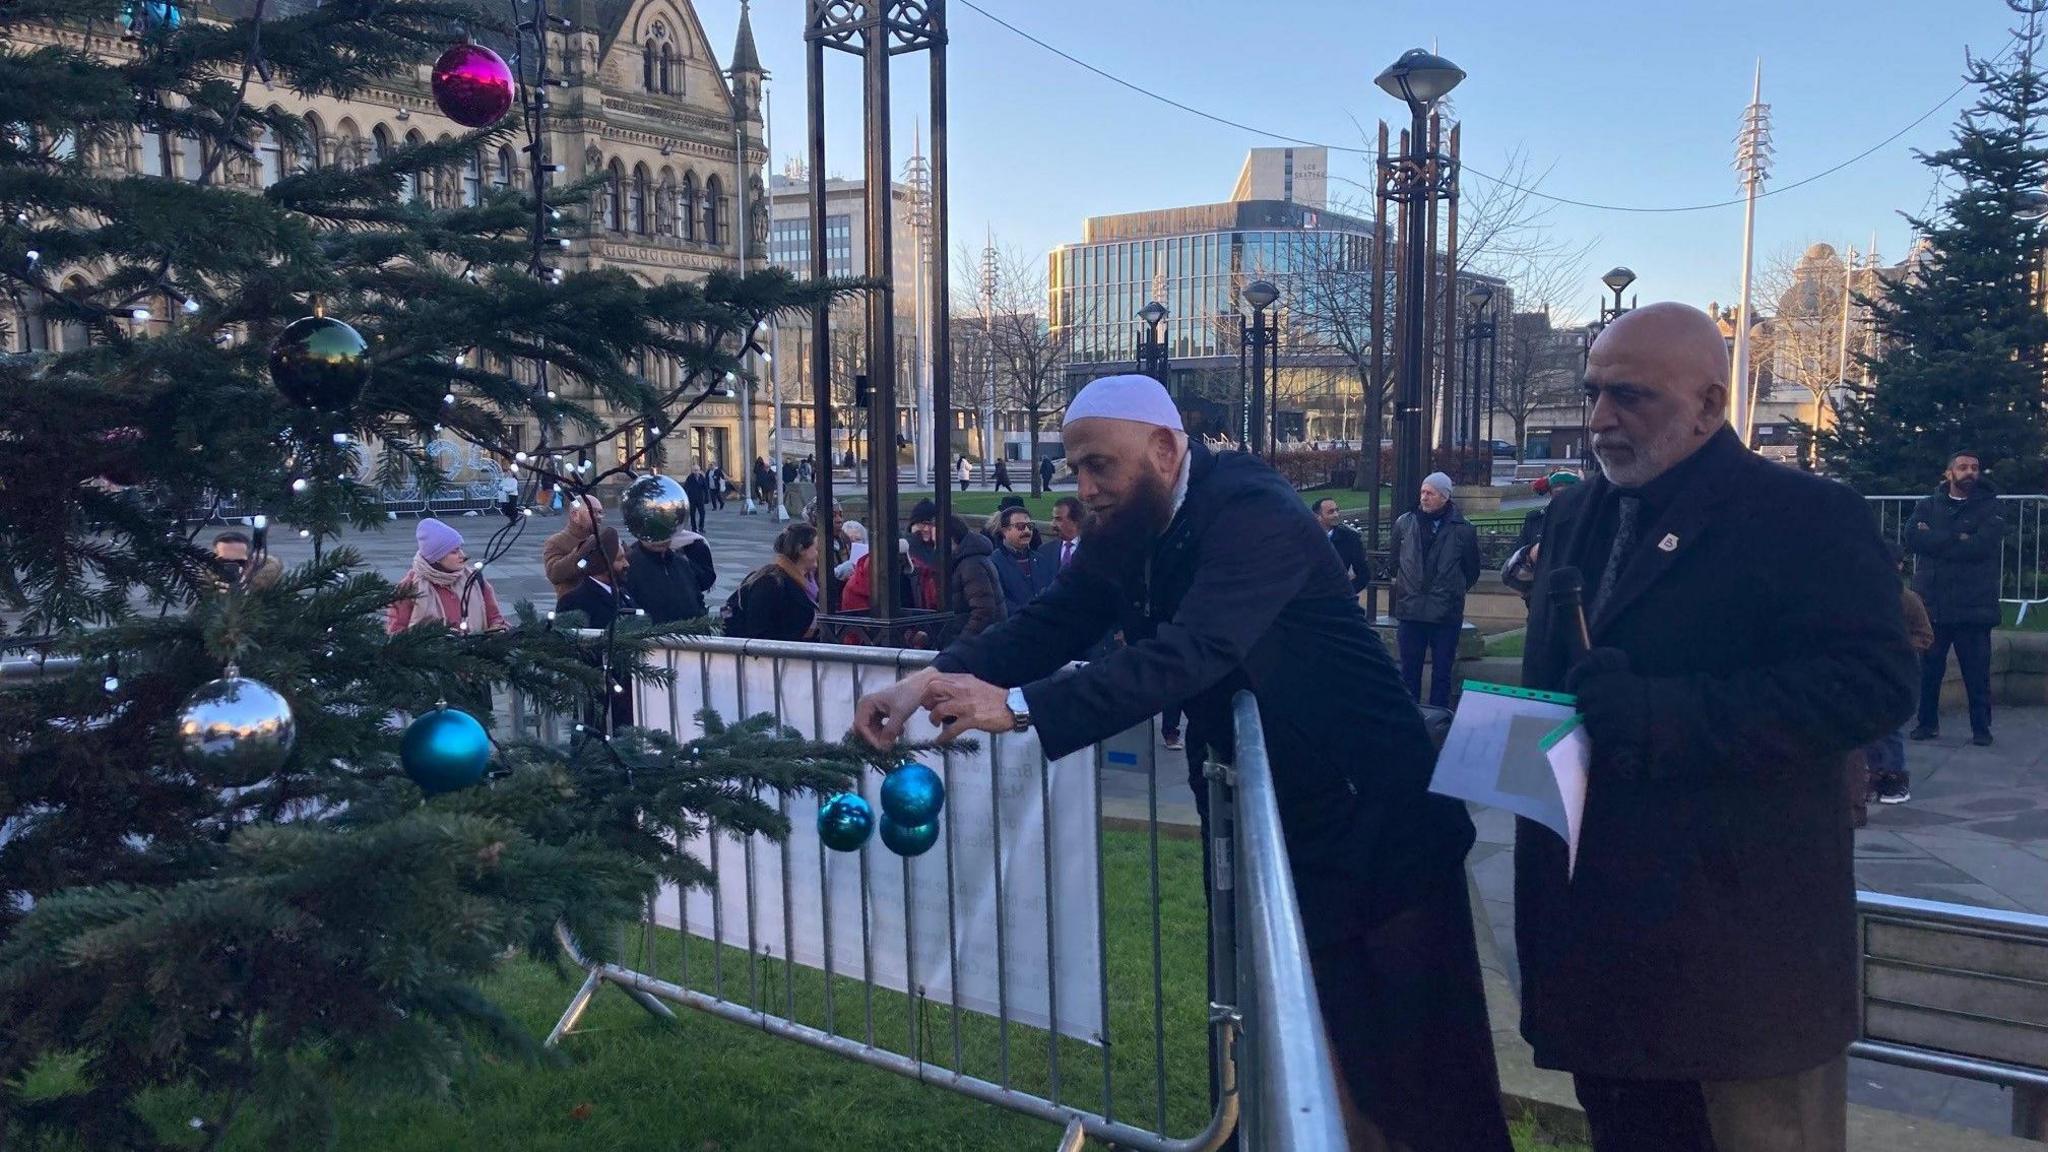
(1753, 164)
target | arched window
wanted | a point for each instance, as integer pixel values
(636, 206)
(501, 177)
(665, 69)
(473, 180)
(153, 154)
(647, 66)
(714, 215)
(69, 335)
(316, 140)
(614, 195)
(411, 187)
(380, 144)
(686, 208)
(269, 157)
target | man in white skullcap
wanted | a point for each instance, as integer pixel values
(1222, 581)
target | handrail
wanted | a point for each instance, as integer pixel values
(1294, 1102)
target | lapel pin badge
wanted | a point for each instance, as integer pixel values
(1669, 543)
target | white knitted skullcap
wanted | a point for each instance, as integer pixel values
(1139, 399)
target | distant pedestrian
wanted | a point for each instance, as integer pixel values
(1344, 538)
(1889, 782)
(1045, 472)
(440, 589)
(764, 481)
(568, 554)
(805, 473)
(1001, 478)
(719, 483)
(966, 473)
(1956, 533)
(231, 555)
(1436, 561)
(1017, 562)
(1066, 535)
(856, 535)
(668, 579)
(697, 487)
(778, 601)
(972, 586)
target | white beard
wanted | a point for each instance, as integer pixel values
(1648, 461)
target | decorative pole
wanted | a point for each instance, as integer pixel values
(1753, 162)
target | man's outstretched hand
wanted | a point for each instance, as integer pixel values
(880, 717)
(959, 704)
(962, 704)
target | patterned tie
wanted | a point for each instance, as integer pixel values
(1624, 539)
(1066, 553)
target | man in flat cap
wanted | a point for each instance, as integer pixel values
(1221, 580)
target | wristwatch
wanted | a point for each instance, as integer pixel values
(1020, 712)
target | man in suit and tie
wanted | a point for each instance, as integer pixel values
(1344, 538)
(1696, 973)
(1058, 552)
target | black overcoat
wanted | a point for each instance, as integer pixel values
(1956, 546)
(1709, 931)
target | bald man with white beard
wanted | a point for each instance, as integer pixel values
(1220, 580)
(1696, 971)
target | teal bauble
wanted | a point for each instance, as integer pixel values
(320, 362)
(152, 16)
(912, 795)
(909, 839)
(845, 822)
(444, 750)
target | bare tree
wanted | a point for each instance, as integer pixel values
(1030, 355)
(1535, 371)
(1802, 341)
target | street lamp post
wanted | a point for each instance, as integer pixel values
(1617, 280)
(1261, 336)
(1151, 346)
(1418, 79)
(1479, 330)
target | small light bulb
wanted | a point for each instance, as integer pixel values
(447, 397)
(111, 684)
(582, 564)
(259, 522)
(562, 243)
(191, 306)
(767, 358)
(729, 378)
(551, 617)
(139, 314)
(654, 429)
(305, 533)
(579, 727)
(639, 611)
(301, 484)
(519, 457)
(341, 437)
(526, 511)
(479, 565)
(761, 327)
(617, 687)
(551, 393)
(34, 255)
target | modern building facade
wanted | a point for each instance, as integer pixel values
(1196, 261)
(645, 101)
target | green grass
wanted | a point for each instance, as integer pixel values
(1506, 643)
(2037, 618)
(627, 1081)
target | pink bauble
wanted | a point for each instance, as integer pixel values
(472, 85)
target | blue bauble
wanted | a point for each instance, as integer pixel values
(909, 839)
(913, 794)
(156, 16)
(845, 822)
(444, 750)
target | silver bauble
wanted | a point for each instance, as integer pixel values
(654, 507)
(235, 731)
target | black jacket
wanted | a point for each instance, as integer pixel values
(1431, 576)
(1709, 932)
(1019, 576)
(976, 588)
(773, 606)
(1244, 591)
(1351, 553)
(1957, 545)
(670, 585)
(697, 487)
(596, 602)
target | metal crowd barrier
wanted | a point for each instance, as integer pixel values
(2021, 581)
(1255, 941)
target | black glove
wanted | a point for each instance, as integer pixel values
(1616, 705)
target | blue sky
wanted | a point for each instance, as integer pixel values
(1624, 104)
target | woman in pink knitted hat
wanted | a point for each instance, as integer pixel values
(441, 589)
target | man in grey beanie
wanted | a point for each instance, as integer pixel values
(1436, 560)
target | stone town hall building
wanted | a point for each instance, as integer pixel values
(645, 101)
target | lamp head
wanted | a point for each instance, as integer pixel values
(1419, 78)
(1153, 314)
(1261, 294)
(1618, 279)
(1478, 297)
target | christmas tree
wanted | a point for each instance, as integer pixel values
(1963, 330)
(263, 912)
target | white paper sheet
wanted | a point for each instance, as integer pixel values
(1501, 753)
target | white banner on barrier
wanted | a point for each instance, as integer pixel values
(1051, 898)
